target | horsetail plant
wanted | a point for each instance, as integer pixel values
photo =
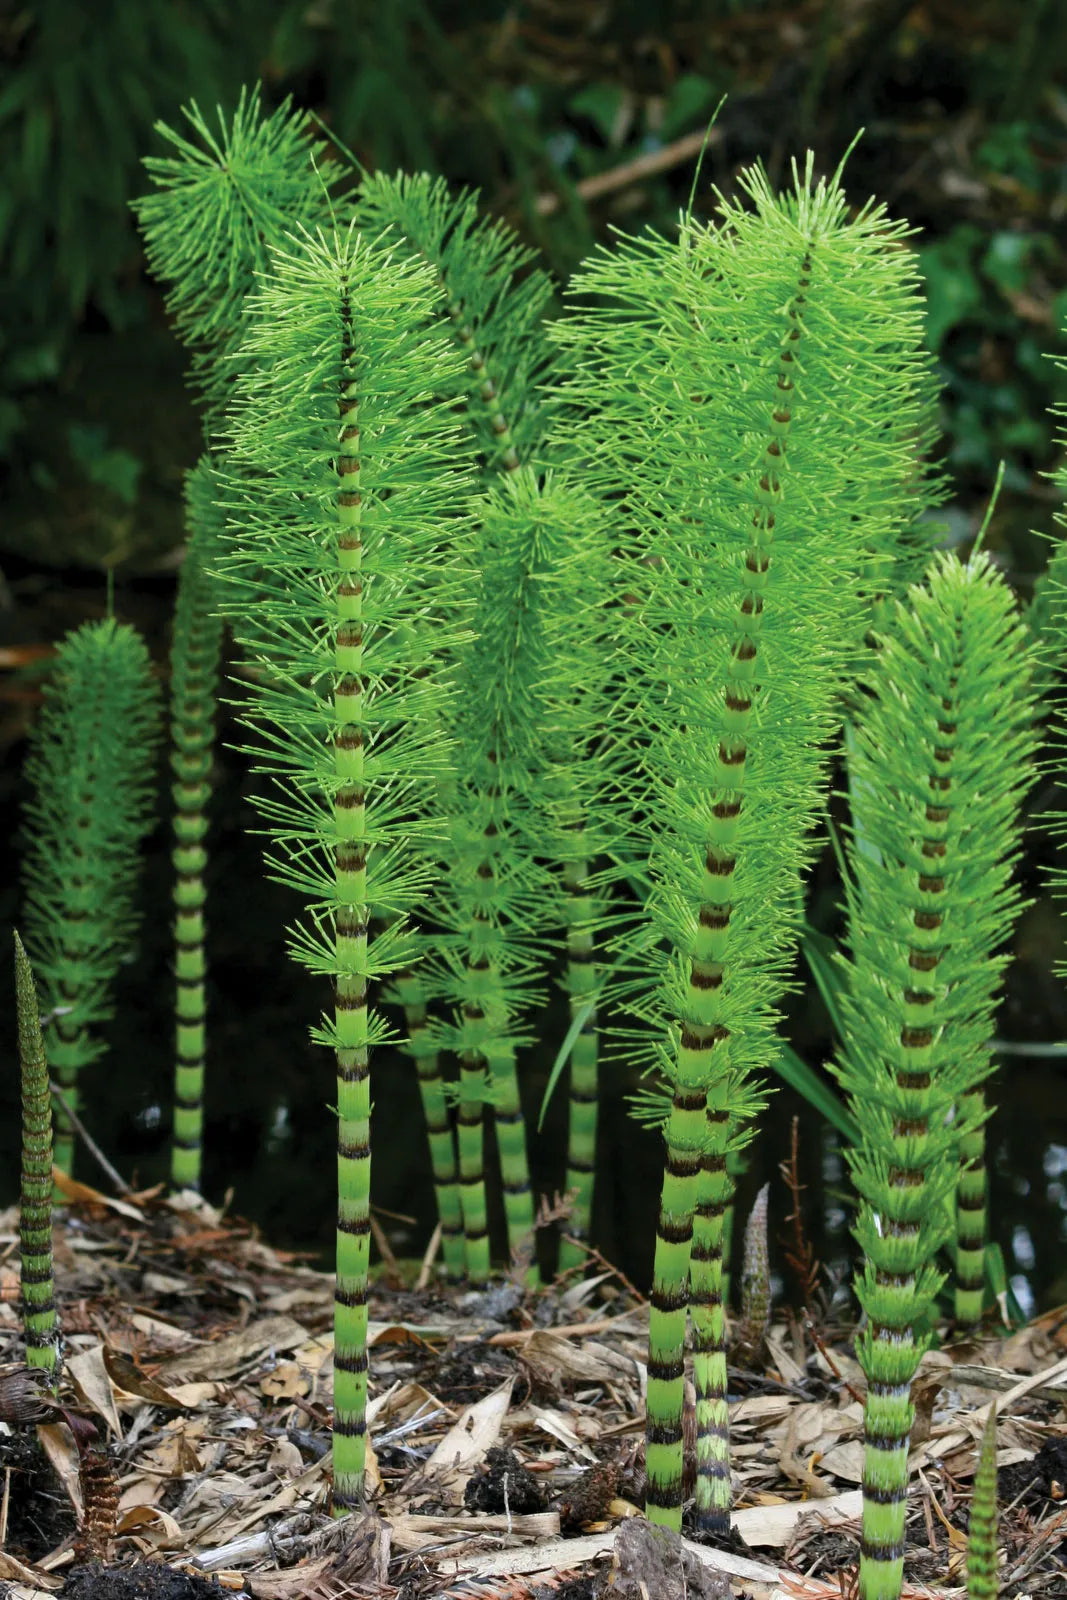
(538, 548)
(91, 770)
(194, 664)
(982, 1533)
(348, 521)
(529, 595)
(39, 1320)
(749, 420)
(940, 764)
(495, 325)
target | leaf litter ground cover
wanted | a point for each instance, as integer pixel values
(506, 1428)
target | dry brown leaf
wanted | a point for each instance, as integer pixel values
(844, 1461)
(411, 1533)
(194, 1395)
(82, 1194)
(397, 1333)
(285, 1459)
(151, 1528)
(476, 1429)
(556, 1424)
(124, 1375)
(293, 1584)
(775, 1525)
(161, 1332)
(57, 1442)
(402, 1401)
(166, 1283)
(36, 1583)
(174, 1454)
(285, 1381)
(227, 1356)
(91, 1380)
(557, 1358)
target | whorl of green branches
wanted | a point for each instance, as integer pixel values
(194, 666)
(752, 423)
(940, 765)
(346, 496)
(39, 1319)
(221, 204)
(494, 302)
(91, 771)
(982, 1535)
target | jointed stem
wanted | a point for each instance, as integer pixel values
(35, 1208)
(971, 1193)
(581, 984)
(470, 1134)
(350, 1001)
(194, 674)
(715, 1185)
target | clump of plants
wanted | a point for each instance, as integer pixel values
(550, 629)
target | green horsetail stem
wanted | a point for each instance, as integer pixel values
(972, 1193)
(745, 415)
(39, 1320)
(982, 1534)
(91, 770)
(348, 521)
(410, 991)
(194, 661)
(938, 770)
(735, 1168)
(582, 981)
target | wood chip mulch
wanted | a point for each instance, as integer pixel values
(506, 1428)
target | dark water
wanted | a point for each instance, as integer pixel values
(270, 1132)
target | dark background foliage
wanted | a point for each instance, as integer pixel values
(571, 116)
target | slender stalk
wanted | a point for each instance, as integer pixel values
(409, 990)
(195, 656)
(972, 1187)
(474, 1090)
(714, 1186)
(982, 1535)
(39, 1320)
(581, 991)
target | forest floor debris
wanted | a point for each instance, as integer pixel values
(506, 1429)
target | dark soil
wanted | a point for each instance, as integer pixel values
(149, 1580)
(502, 1484)
(39, 1513)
